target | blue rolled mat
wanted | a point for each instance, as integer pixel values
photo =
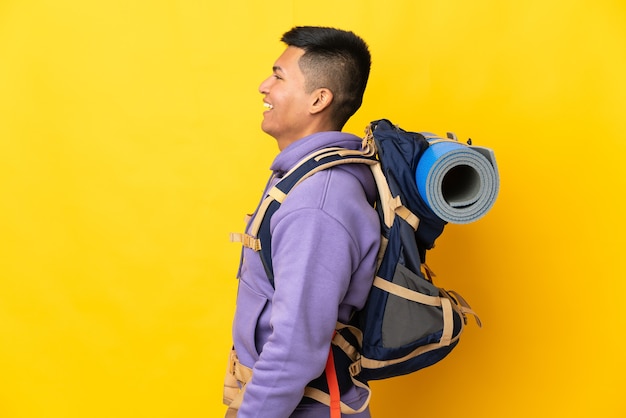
(458, 182)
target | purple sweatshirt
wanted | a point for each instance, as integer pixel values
(325, 238)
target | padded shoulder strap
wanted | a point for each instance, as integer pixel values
(313, 163)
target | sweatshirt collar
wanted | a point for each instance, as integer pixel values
(299, 149)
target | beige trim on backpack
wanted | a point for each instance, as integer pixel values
(463, 306)
(324, 398)
(449, 301)
(274, 194)
(246, 240)
(405, 293)
(391, 205)
(237, 376)
(354, 355)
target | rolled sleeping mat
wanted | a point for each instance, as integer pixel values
(458, 182)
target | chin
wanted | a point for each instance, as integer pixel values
(266, 129)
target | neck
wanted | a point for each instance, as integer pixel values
(284, 142)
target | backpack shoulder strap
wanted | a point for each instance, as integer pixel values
(259, 237)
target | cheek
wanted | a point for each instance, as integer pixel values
(297, 104)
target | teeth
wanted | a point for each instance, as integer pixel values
(267, 105)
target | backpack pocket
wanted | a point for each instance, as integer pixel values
(405, 320)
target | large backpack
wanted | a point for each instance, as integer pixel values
(408, 322)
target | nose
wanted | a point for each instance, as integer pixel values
(265, 85)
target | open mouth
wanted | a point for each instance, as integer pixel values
(268, 106)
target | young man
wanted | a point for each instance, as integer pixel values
(325, 235)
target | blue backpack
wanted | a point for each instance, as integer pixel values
(408, 322)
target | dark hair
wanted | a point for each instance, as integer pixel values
(336, 59)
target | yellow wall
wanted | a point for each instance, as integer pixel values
(130, 146)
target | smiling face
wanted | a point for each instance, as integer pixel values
(291, 112)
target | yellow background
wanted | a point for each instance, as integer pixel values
(130, 147)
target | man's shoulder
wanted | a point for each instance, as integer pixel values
(340, 192)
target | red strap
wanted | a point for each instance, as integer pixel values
(333, 386)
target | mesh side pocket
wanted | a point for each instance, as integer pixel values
(406, 321)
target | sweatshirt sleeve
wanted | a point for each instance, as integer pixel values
(314, 255)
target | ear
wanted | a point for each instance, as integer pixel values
(321, 99)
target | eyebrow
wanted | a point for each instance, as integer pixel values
(276, 68)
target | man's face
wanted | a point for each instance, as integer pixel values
(286, 117)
